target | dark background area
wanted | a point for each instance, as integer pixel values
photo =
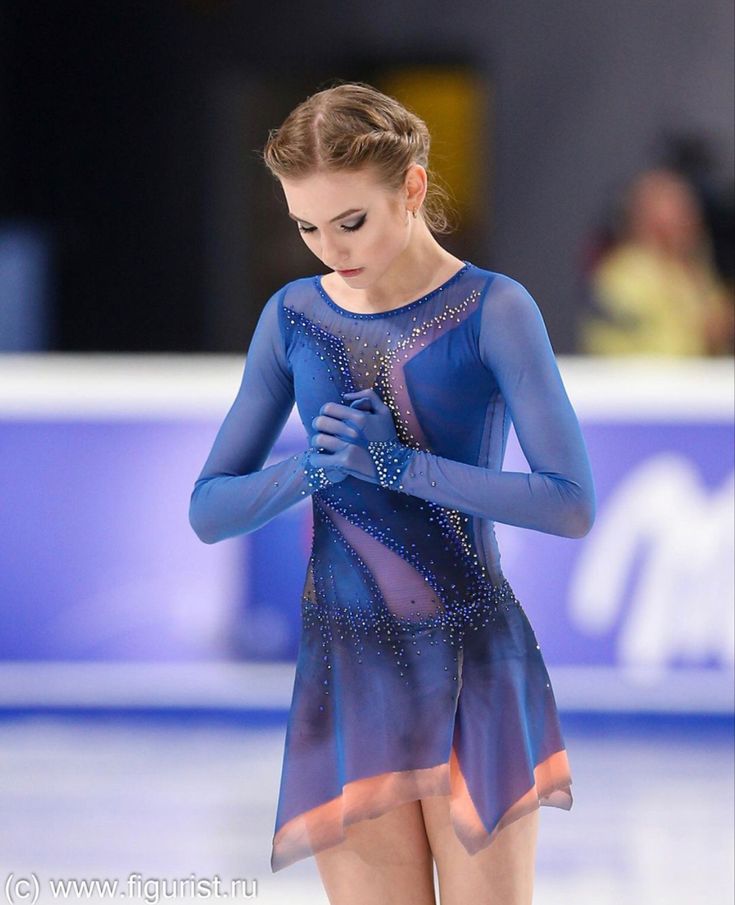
(129, 130)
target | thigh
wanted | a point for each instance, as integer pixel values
(383, 861)
(500, 874)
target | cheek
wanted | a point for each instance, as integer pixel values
(383, 243)
(311, 242)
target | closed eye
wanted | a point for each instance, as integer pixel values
(344, 226)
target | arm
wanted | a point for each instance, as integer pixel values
(234, 494)
(558, 496)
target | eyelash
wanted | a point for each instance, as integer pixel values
(350, 229)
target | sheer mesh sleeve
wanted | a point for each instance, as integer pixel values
(558, 496)
(234, 494)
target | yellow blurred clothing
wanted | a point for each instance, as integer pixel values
(644, 303)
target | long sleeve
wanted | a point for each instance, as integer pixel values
(558, 496)
(234, 494)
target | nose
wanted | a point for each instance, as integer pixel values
(331, 252)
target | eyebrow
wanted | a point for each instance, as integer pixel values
(352, 210)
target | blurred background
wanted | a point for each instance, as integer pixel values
(145, 677)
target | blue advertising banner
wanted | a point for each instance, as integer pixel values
(99, 562)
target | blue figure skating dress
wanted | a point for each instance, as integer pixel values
(418, 672)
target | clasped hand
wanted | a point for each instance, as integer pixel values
(343, 432)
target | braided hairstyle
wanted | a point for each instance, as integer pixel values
(352, 125)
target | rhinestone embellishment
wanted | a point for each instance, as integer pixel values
(316, 476)
(390, 458)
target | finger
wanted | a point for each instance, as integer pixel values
(362, 399)
(343, 412)
(354, 393)
(370, 394)
(364, 403)
(335, 426)
(327, 442)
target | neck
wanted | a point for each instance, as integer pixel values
(422, 265)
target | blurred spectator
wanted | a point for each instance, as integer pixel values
(697, 158)
(656, 288)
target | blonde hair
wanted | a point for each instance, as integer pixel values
(352, 125)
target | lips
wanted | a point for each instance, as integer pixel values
(349, 273)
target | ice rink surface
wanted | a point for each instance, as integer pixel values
(174, 799)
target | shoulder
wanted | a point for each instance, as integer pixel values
(499, 284)
(294, 292)
(506, 299)
(286, 289)
(285, 296)
(512, 326)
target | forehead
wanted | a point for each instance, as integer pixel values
(323, 194)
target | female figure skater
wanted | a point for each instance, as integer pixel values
(423, 727)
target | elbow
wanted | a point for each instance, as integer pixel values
(580, 518)
(200, 523)
(209, 521)
(574, 512)
(206, 538)
(201, 528)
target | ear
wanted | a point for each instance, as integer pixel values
(415, 186)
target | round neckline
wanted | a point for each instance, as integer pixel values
(400, 309)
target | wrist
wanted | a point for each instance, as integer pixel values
(391, 458)
(318, 477)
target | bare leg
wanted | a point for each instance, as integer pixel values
(383, 861)
(501, 874)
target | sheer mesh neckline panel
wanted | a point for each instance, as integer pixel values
(332, 304)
